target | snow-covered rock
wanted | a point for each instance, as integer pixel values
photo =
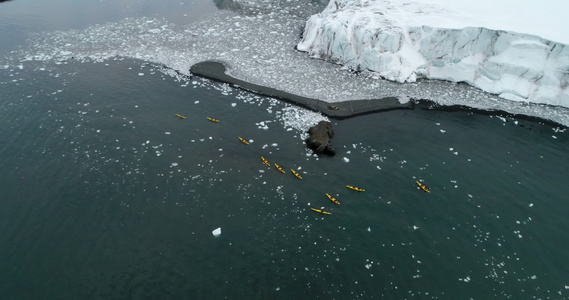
(493, 46)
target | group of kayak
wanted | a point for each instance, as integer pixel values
(333, 199)
(300, 177)
(295, 173)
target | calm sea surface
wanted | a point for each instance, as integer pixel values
(106, 194)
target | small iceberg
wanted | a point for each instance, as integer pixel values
(216, 232)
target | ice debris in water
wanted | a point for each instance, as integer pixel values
(262, 57)
(216, 232)
(346, 159)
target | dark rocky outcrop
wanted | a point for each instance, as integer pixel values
(319, 138)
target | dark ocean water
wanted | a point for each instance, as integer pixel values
(106, 194)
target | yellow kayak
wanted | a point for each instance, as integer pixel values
(426, 189)
(296, 174)
(213, 120)
(180, 116)
(333, 199)
(265, 161)
(280, 168)
(355, 188)
(321, 211)
(244, 141)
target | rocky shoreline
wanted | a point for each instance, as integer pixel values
(217, 71)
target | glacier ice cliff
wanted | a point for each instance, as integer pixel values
(388, 38)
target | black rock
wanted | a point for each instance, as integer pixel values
(319, 138)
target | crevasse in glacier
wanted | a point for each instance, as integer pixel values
(406, 40)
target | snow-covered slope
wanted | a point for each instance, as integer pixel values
(518, 51)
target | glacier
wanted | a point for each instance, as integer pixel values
(518, 52)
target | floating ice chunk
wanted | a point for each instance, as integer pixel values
(233, 104)
(415, 227)
(368, 266)
(369, 229)
(216, 232)
(140, 74)
(531, 205)
(167, 132)
(346, 159)
(443, 131)
(275, 145)
(174, 164)
(196, 102)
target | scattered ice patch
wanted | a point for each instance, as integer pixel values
(403, 99)
(346, 159)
